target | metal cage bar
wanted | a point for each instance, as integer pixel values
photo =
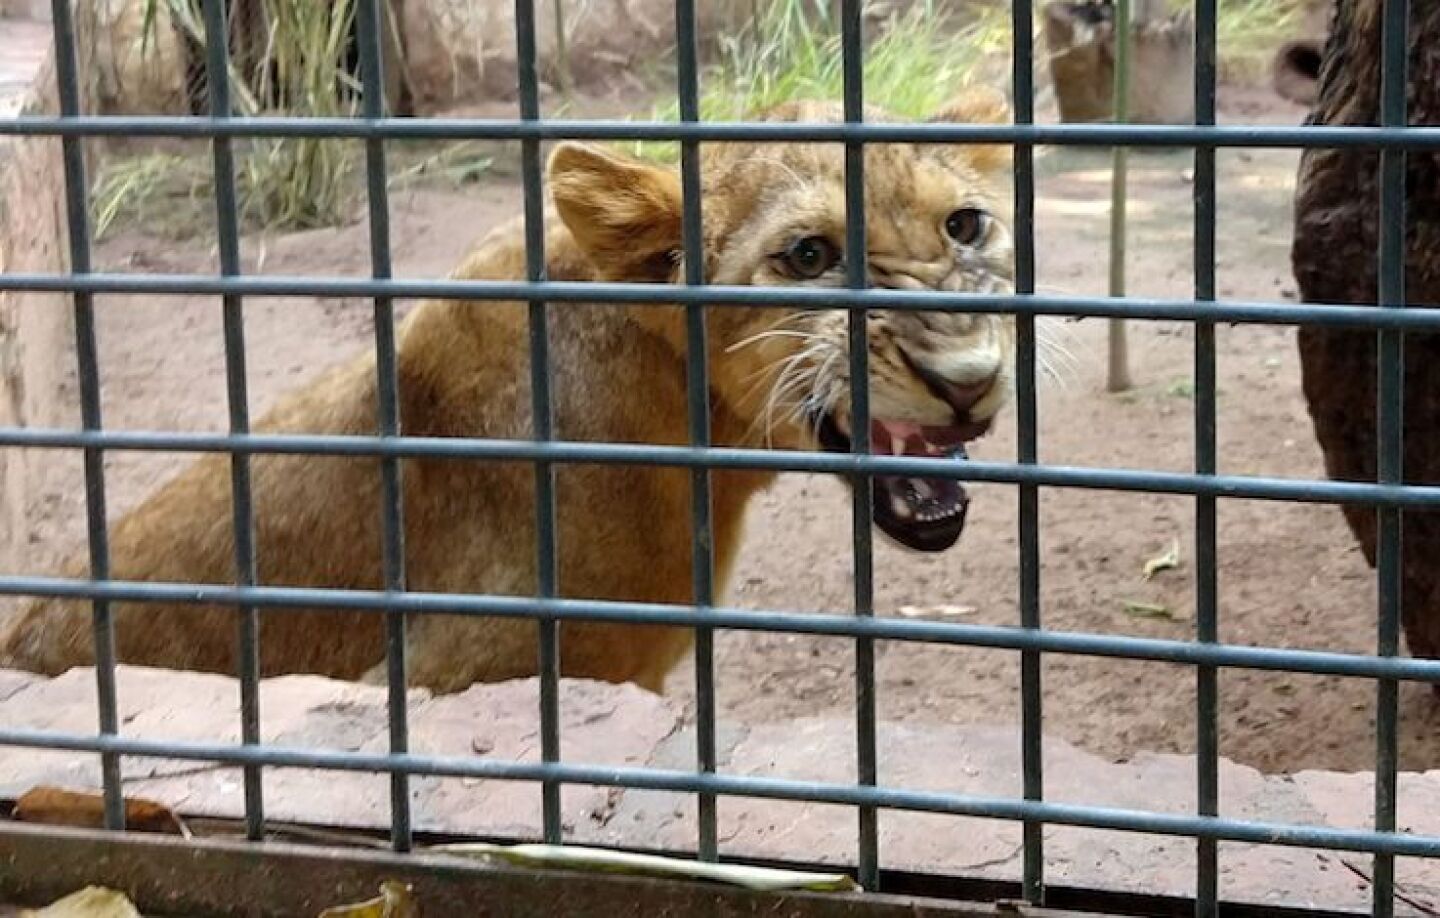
(697, 388)
(227, 231)
(890, 629)
(1207, 679)
(1410, 137)
(1027, 452)
(542, 417)
(1238, 486)
(599, 293)
(77, 213)
(857, 269)
(1390, 433)
(387, 392)
(1391, 319)
(1005, 808)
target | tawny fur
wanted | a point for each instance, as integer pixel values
(618, 375)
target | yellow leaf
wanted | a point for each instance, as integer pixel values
(90, 902)
(395, 901)
(1163, 562)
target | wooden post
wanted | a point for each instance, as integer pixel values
(562, 53)
(1117, 377)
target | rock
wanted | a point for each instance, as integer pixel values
(624, 726)
(34, 327)
(985, 761)
(601, 724)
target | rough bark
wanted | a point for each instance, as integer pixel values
(1335, 260)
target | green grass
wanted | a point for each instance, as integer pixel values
(921, 55)
(283, 184)
(304, 182)
(918, 56)
(157, 189)
(171, 194)
(918, 59)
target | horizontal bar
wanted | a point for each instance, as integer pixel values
(1094, 817)
(1091, 135)
(1413, 318)
(724, 457)
(618, 612)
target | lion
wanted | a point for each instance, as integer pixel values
(938, 218)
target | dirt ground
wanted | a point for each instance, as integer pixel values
(1290, 574)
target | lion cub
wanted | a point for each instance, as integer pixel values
(774, 214)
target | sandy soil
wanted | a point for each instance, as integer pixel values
(1290, 575)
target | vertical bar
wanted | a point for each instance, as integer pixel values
(1207, 688)
(1390, 420)
(372, 77)
(227, 226)
(541, 418)
(78, 222)
(698, 389)
(1118, 371)
(1031, 698)
(856, 271)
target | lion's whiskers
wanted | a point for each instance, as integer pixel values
(1053, 353)
(787, 376)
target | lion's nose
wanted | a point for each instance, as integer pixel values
(960, 396)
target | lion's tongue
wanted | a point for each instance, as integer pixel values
(918, 499)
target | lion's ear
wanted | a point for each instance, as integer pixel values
(625, 214)
(980, 105)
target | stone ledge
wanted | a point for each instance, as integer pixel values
(622, 725)
(600, 724)
(985, 761)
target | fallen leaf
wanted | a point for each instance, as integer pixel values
(56, 806)
(601, 860)
(90, 902)
(1148, 610)
(1163, 562)
(944, 610)
(396, 900)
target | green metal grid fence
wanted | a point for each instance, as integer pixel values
(868, 795)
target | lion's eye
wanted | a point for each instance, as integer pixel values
(967, 225)
(810, 257)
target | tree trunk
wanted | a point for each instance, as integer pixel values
(1334, 255)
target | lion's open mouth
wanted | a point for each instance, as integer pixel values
(925, 514)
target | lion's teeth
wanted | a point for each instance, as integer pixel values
(900, 506)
